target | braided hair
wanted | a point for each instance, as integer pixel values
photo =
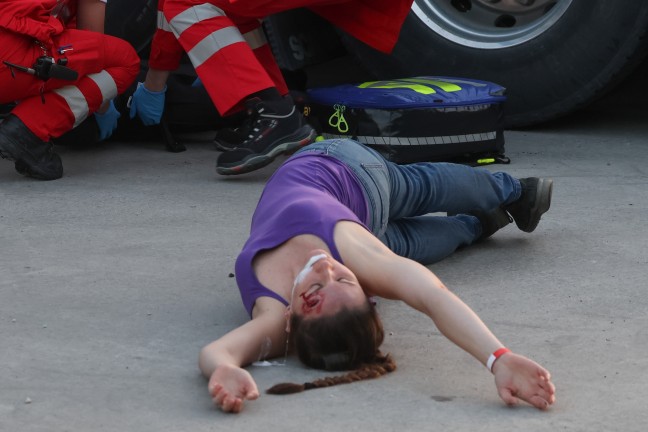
(348, 340)
(383, 364)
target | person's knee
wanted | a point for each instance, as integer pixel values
(121, 56)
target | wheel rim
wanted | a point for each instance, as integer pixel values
(490, 24)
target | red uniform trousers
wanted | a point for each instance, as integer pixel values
(106, 65)
(226, 45)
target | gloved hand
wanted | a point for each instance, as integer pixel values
(107, 121)
(147, 105)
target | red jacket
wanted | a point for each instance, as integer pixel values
(32, 18)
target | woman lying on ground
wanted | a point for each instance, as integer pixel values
(338, 224)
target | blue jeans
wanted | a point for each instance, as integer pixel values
(401, 198)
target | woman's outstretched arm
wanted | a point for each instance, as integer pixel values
(394, 277)
(222, 361)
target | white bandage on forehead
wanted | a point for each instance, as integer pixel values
(304, 272)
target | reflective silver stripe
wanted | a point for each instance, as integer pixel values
(162, 23)
(76, 101)
(191, 16)
(214, 43)
(106, 84)
(414, 141)
(255, 38)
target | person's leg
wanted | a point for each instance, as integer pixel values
(106, 66)
(218, 50)
(22, 51)
(248, 20)
(422, 188)
(428, 239)
(472, 195)
(17, 142)
(224, 45)
(483, 202)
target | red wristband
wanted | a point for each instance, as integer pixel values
(493, 357)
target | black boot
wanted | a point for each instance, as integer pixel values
(33, 157)
(533, 203)
(277, 128)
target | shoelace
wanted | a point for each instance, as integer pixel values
(256, 121)
(255, 131)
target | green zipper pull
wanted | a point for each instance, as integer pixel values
(337, 119)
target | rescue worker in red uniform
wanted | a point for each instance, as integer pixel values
(48, 107)
(226, 45)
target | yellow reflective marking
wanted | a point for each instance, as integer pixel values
(486, 161)
(419, 85)
(418, 88)
(443, 85)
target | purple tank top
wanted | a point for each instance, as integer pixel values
(308, 194)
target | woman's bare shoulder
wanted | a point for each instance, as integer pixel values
(351, 238)
(365, 255)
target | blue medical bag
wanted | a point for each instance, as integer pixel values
(423, 118)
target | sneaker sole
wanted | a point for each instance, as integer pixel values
(223, 147)
(542, 203)
(259, 161)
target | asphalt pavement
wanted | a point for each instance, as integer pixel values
(113, 277)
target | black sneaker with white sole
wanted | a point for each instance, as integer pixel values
(277, 128)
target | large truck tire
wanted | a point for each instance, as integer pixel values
(553, 56)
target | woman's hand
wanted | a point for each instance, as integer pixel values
(519, 378)
(229, 386)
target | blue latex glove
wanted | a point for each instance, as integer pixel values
(107, 121)
(147, 105)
